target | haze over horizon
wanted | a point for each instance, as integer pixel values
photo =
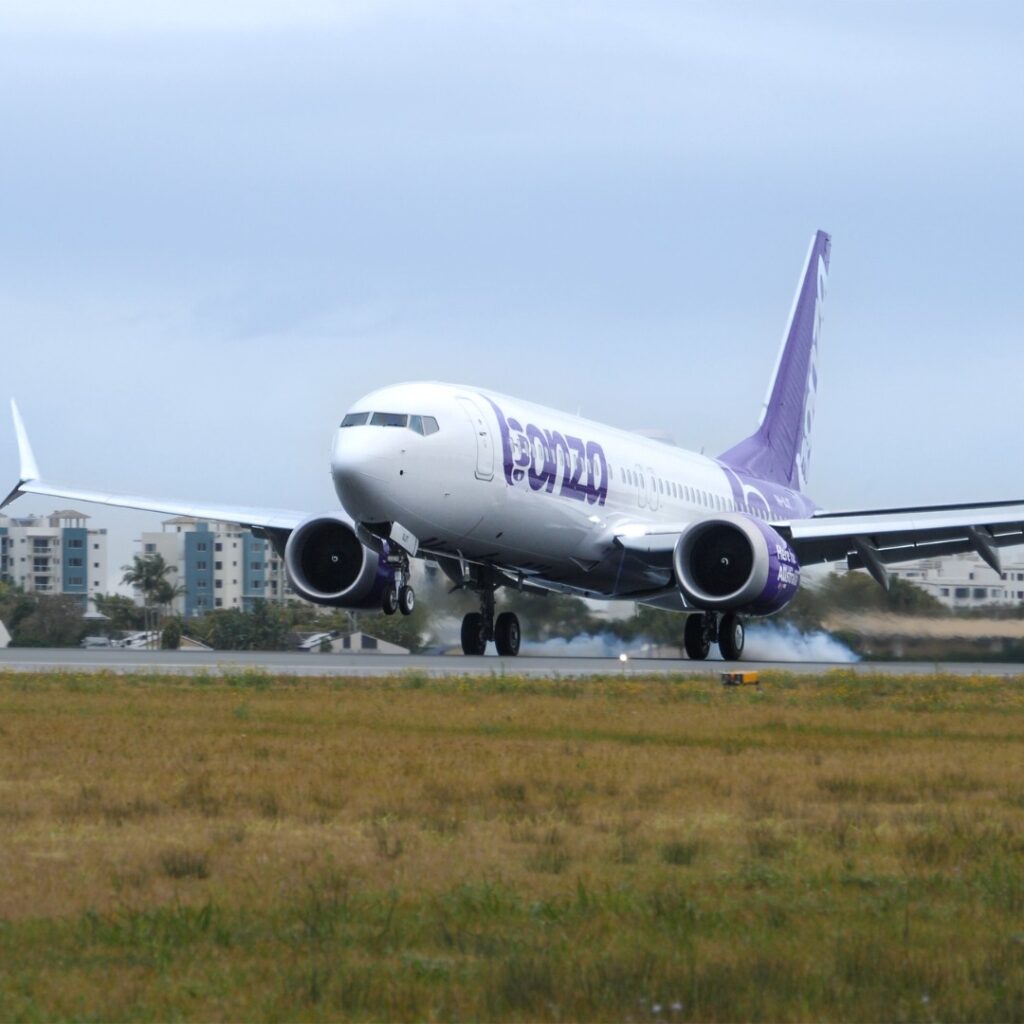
(224, 222)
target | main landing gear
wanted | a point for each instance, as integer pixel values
(706, 628)
(399, 597)
(480, 627)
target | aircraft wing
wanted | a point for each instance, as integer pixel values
(30, 482)
(871, 538)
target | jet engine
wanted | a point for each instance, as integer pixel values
(328, 564)
(736, 563)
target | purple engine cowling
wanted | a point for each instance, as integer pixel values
(735, 562)
(328, 564)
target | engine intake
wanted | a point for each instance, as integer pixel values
(735, 562)
(328, 564)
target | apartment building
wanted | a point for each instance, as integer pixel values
(54, 554)
(965, 581)
(217, 565)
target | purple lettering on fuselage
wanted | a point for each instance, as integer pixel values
(548, 460)
(765, 499)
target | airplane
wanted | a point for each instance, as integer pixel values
(500, 492)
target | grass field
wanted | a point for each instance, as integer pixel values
(849, 847)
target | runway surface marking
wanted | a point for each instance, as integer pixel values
(301, 664)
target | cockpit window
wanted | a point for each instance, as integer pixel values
(424, 425)
(389, 419)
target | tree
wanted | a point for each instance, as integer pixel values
(170, 636)
(857, 592)
(268, 627)
(123, 614)
(148, 574)
(15, 606)
(55, 621)
(551, 615)
(652, 624)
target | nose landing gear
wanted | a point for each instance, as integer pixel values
(400, 597)
(705, 628)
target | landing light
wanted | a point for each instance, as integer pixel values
(623, 657)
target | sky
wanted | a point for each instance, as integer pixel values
(223, 222)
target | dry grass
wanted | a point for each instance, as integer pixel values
(844, 847)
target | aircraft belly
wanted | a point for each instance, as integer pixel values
(526, 526)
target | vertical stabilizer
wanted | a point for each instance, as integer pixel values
(780, 449)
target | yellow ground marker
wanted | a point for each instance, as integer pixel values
(741, 679)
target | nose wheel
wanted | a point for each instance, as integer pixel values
(400, 597)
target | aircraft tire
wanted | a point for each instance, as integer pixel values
(507, 634)
(731, 637)
(474, 639)
(390, 603)
(696, 644)
(406, 600)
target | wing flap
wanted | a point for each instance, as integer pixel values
(889, 535)
(902, 536)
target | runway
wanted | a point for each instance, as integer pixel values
(28, 659)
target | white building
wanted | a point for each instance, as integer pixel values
(965, 581)
(54, 554)
(216, 565)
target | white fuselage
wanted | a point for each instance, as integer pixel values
(531, 489)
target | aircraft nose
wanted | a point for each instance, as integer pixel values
(359, 469)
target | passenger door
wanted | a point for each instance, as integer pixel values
(484, 444)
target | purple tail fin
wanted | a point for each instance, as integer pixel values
(780, 449)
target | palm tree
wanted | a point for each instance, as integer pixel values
(148, 574)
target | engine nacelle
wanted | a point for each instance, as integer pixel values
(737, 563)
(328, 564)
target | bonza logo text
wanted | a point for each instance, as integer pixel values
(545, 458)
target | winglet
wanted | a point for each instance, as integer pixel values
(28, 470)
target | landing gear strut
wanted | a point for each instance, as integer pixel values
(399, 596)
(705, 628)
(478, 628)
